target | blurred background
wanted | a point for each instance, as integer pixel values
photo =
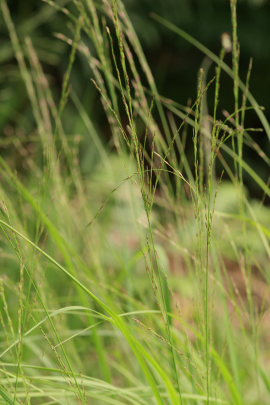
(174, 62)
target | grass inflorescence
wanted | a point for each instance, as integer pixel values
(143, 280)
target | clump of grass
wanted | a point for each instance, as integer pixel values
(131, 285)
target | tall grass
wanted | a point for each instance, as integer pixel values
(146, 281)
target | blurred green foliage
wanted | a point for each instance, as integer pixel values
(175, 63)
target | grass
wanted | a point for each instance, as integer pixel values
(144, 281)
